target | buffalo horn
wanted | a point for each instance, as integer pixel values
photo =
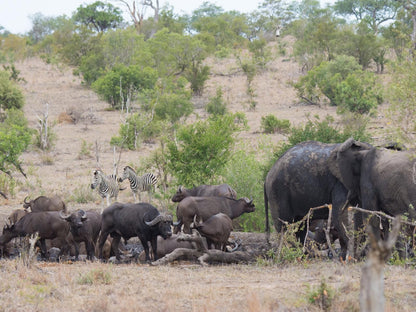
(26, 203)
(84, 215)
(180, 189)
(177, 223)
(161, 217)
(62, 215)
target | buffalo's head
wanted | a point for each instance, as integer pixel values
(75, 219)
(27, 204)
(249, 206)
(180, 194)
(164, 224)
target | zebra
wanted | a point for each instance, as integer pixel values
(139, 184)
(106, 186)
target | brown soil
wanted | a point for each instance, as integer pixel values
(79, 116)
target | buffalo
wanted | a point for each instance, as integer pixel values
(16, 215)
(48, 225)
(222, 190)
(205, 207)
(129, 220)
(168, 245)
(84, 227)
(43, 203)
(216, 229)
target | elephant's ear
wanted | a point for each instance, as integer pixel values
(345, 164)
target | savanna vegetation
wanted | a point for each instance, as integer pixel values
(153, 70)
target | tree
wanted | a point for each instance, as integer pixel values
(410, 8)
(43, 26)
(201, 149)
(175, 53)
(137, 12)
(372, 12)
(15, 137)
(317, 35)
(99, 16)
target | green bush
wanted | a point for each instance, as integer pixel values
(15, 137)
(343, 83)
(197, 75)
(122, 83)
(243, 173)
(216, 104)
(270, 124)
(200, 150)
(10, 94)
(137, 129)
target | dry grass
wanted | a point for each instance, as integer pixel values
(188, 287)
(179, 287)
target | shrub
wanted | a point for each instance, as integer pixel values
(243, 172)
(200, 150)
(136, 129)
(197, 75)
(322, 297)
(122, 83)
(270, 124)
(10, 94)
(343, 82)
(216, 104)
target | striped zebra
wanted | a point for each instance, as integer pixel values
(106, 186)
(139, 184)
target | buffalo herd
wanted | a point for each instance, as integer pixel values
(55, 227)
(310, 174)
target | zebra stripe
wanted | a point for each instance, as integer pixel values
(139, 184)
(106, 186)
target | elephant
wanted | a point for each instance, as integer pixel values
(301, 179)
(383, 179)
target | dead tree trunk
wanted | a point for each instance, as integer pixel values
(372, 277)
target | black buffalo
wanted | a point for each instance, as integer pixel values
(223, 190)
(84, 227)
(48, 225)
(43, 203)
(129, 220)
(301, 179)
(205, 207)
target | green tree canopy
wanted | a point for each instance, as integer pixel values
(372, 12)
(99, 16)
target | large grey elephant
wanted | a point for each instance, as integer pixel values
(382, 179)
(301, 179)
